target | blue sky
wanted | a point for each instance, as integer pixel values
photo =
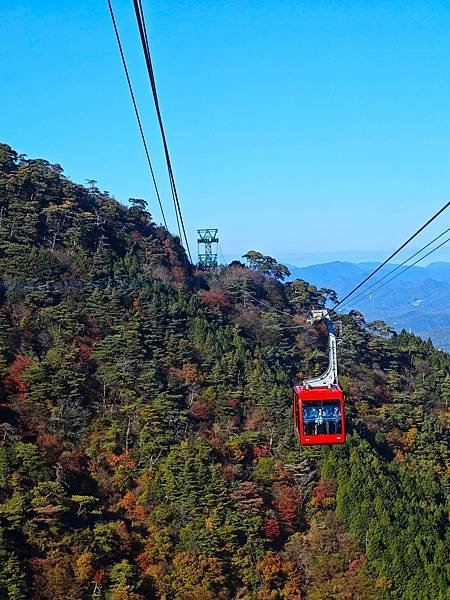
(309, 130)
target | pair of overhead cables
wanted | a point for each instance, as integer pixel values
(136, 111)
(140, 17)
(363, 294)
(366, 294)
(387, 260)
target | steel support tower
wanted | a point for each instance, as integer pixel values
(207, 248)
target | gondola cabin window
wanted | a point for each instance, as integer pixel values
(321, 417)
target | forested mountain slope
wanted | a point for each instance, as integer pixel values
(146, 444)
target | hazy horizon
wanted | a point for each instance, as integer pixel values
(312, 259)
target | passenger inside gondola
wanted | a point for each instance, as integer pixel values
(322, 417)
(337, 419)
(309, 418)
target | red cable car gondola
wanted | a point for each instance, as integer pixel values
(319, 416)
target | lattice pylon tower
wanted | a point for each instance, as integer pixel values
(207, 248)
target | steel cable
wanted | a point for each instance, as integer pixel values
(390, 257)
(136, 111)
(146, 48)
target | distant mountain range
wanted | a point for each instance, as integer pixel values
(418, 300)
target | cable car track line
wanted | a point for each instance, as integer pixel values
(136, 111)
(405, 269)
(282, 327)
(390, 257)
(148, 60)
(363, 292)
